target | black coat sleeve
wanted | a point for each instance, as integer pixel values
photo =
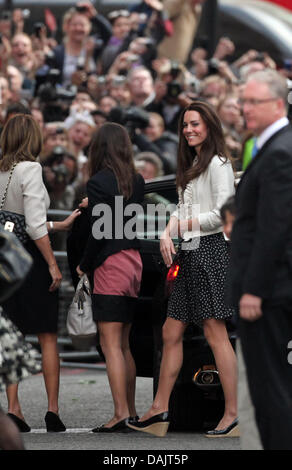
(273, 224)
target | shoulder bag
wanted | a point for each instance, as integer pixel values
(80, 325)
(15, 263)
(12, 221)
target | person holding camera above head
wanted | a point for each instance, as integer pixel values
(205, 179)
(60, 169)
(120, 39)
(75, 56)
(54, 135)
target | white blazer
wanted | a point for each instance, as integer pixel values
(204, 196)
(27, 195)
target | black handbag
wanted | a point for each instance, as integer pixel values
(15, 263)
(12, 221)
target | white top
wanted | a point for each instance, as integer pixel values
(204, 196)
(271, 130)
(27, 195)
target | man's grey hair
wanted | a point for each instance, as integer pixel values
(277, 84)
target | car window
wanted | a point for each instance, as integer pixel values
(157, 209)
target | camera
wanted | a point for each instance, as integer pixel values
(174, 89)
(55, 162)
(37, 28)
(47, 88)
(213, 66)
(118, 80)
(80, 9)
(54, 98)
(175, 69)
(80, 63)
(133, 58)
(260, 57)
(5, 15)
(132, 118)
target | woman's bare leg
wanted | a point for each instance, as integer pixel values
(13, 401)
(51, 368)
(172, 358)
(130, 369)
(110, 334)
(225, 358)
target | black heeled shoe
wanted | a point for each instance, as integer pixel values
(157, 424)
(22, 425)
(53, 423)
(230, 431)
(133, 419)
(121, 426)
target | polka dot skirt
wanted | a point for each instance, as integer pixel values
(199, 289)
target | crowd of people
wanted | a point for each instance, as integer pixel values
(115, 96)
(118, 68)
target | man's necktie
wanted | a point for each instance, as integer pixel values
(254, 149)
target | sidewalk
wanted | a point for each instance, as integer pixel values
(85, 402)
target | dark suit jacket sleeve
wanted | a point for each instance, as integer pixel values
(273, 223)
(96, 195)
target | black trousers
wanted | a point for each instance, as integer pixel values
(265, 351)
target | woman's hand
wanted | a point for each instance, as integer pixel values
(84, 202)
(56, 277)
(167, 248)
(79, 272)
(68, 222)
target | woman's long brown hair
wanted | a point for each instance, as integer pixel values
(111, 148)
(214, 144)
(21, 140)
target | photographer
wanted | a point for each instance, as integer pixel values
(167, 142)
(59, 172)
(75, 56)
(55, 135)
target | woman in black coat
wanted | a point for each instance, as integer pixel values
(112, 258)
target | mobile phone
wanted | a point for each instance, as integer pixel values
(37, 27)
(81, 9)
(133, 58)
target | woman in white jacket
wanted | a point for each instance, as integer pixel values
(205, 180)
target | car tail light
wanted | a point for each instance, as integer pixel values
(172, 272)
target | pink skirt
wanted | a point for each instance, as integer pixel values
(120, 274)
(116, 287)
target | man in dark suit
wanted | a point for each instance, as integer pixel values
(261, 258)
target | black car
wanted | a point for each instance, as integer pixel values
(197, 399)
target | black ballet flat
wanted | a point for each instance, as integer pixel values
(230, 431)
(22, 425)
(133, 419)
(53, 423)
(121, 426)
(157, 424)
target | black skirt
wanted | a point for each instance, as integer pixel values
(199, 291)
(32, 308)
